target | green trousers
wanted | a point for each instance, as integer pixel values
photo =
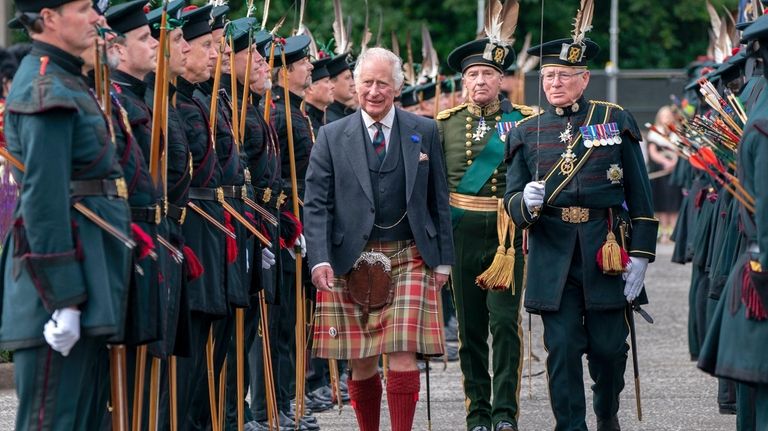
(571, 332)
(761, 407)
(488, 399)
(56, 392)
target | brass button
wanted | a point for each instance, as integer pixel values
(469, 153)
(469, 135)
(494, 181)
(498, 117)
(496, 172)
(469, 162)
(494, 196)
(469, 119)
(468, 144)
(493, 189)
(469, 126)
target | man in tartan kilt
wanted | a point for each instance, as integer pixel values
(376, 184)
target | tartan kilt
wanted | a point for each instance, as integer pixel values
(411, 323)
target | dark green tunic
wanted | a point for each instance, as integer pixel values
(480, 311)
(54, 257)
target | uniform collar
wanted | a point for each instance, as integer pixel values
(130, 83)
(484, 111)
(65, 60)
(576, 107)
(185, 87)
(279, 92)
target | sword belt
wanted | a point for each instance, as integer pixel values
(110, 188)
(576, 215)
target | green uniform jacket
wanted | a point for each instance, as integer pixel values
(457, 127)
(553, 241)
(55, 257)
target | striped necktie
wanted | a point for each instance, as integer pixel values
(379, 144)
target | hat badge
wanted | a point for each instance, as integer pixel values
(495, 53)
(572, 53)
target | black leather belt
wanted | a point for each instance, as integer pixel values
(269, 197)
(235, 192)
(206, 194)
(151, 214)
(177, 213)
(576, 215)
(110, 188)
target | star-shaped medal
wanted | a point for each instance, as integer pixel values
(567, 134)
(482, 129)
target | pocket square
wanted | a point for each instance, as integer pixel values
(423, 157)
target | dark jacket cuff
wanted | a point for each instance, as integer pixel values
(58, 278)
(643, 242)
(519, 212)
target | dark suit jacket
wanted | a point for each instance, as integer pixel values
(339, 205)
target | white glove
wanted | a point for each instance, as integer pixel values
(533, 195)
(300, 242)
(267, 258)
(634, 277)
(63, 330)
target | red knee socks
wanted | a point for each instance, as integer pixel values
(365, 397)
(402, 395)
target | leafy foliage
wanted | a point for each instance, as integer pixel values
(652, 34)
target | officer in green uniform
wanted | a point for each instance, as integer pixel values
(734, 346)
(576, 180)
(473, 140)
(65, 277)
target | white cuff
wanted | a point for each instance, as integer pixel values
(319, 265)
(443, 269)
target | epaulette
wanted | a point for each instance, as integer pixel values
(442, 115)
(524, 109)
(533, 114)
(609, 104)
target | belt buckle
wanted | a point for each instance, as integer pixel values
(158, 214)
(281, 199)
(267, 195)
(575, 215)
(122, 188)
(243, 192)
(220, 194)
(183, 215)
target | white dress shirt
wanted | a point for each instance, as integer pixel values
(386, 125)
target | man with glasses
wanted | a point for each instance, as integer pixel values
(473, 141)
(576, 180)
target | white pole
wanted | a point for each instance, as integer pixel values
(612, 68)
(480, 16)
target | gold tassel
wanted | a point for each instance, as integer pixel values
(500, 274)
(611, 260)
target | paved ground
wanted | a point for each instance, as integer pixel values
(676, 396)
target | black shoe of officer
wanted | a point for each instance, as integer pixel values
(480, 428)
(610, 424)
(505, 426)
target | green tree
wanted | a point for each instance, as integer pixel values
(652, 34)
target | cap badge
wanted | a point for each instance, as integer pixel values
(572, 53)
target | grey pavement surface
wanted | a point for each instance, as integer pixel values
(675, 394)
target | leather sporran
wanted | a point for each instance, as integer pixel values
(370, 283)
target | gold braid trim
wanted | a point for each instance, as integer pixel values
(443, 115)
(604, 103)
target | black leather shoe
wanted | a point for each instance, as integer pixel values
(317, 405)
(505, 426)
(480, 428)
(610, 424)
